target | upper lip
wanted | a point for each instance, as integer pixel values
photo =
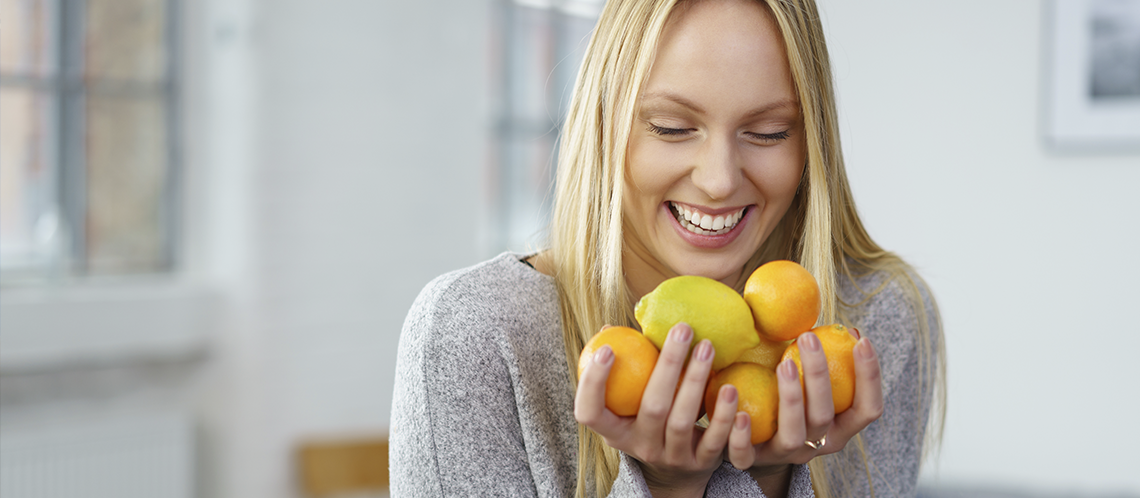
(710, 211)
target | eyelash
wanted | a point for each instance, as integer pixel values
(770, 137)
(667, 131)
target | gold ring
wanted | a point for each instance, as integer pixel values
(815, 445)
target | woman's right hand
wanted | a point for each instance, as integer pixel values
(676, 456)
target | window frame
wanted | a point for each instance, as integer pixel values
(67, 86)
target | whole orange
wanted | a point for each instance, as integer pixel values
(784, 298)
(838, 346)
(758, 393)
(634, 359)
(768, 353)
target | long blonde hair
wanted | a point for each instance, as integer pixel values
(821, 229)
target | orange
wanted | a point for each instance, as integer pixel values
(838, 346)
(758, 394)
(784, 298)
(768, 353)
(634, 358)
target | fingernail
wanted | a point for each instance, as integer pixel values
(728, 393)
(808, 342)
(864, 349)
(604, 355)
(857, 334)
(682, 332)
(741, 420)
(705, 350)
(788, 370)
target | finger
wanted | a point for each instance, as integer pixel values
(658, 398)
(820, 408)
(590, 400)
(686, 407)
(741, 453)
(868, 405)
(791, 429)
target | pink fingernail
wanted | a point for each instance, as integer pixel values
(808, 342)
(705, 350)
(604, 355)
(864, 349)
(857, 334)
(741, 420)
(788, 370)
(682, 332)
(728, 393)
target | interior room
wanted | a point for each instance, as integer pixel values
(217, 214)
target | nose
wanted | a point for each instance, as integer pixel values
(718, 171)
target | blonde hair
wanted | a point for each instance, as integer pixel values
(821, 229)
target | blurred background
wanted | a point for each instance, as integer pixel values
(215, 214)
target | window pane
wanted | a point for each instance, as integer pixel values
(25, 42)
(28, 222)
(126, 182)
(126, 40)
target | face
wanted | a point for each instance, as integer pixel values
(716, 150)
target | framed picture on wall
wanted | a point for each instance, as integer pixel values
(1093, 75)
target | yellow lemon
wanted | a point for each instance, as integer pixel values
(712, 309)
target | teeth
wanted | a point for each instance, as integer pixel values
(703, 224)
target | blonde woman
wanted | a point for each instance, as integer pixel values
(701, 140)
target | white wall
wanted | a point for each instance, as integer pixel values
(337, 169)
(1031, 253)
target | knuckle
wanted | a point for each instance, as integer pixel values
(654, 411)
(678, 427)
(875, 411)
(819, 420)
(785, 447)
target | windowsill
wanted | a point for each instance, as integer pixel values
(93, 323)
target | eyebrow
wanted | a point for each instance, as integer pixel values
(779, 104)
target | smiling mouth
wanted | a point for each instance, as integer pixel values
(704, 224)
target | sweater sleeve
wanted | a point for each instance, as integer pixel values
(893, 443)
(455, 428)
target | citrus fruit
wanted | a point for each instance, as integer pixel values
(634, 358)
(758, 394)
(713, 310)
(768, 353)
(838, 345)
(784, 298)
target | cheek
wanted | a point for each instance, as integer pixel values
(777, 175)
(647, 176)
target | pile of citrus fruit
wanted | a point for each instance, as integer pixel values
(751, 334)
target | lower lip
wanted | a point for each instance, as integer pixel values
(707, 241)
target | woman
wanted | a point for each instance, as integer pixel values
(701, 140)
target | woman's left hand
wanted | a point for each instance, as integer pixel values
(801, 419)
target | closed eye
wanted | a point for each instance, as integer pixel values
(668, 131)
(769, 137)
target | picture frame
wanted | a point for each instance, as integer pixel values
(1093, 75)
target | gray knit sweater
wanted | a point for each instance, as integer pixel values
(483, 404)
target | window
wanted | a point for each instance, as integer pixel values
(541, 47)
(88, 138)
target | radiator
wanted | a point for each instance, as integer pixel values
(143, 456)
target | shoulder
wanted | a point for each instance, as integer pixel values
(897, 311)
(898, 299)
(491, 292)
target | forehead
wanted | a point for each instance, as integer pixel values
(721, 51)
